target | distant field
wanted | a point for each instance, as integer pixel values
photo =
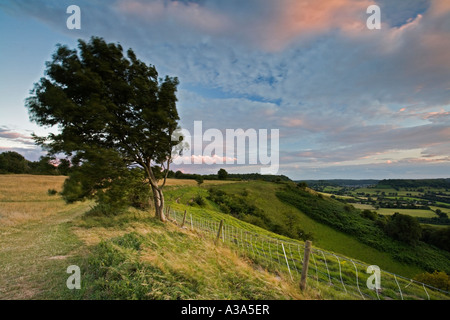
(411, 212)
(363, 206)
(25, 198)
(337, 196)
(190, 182)
(445, 210)
(24, 187)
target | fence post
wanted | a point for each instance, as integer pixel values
(219, 232)
(305, 265)
(184, 219)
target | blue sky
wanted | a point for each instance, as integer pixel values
(349, 102)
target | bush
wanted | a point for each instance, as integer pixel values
(404, 228)
(439, 237)
(436, 279)
(105, 209)
(52, 192)
(199, 200)
(369, 215)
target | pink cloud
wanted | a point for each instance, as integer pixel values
(289, 122)
(185, 14)
(303, 18)
(201, 159)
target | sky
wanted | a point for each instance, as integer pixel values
(348, 101)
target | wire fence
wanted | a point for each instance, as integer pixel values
(332, 274)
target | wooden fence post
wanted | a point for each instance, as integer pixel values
(305, 265)
(219, 232)
(184, 219)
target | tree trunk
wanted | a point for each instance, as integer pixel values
(158, 198)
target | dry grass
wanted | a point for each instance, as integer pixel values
(25, 198)
(23, 187)
(221, 270)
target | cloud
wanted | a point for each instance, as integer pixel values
(10, 136)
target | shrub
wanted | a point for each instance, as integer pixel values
(404, 228)
(105, 209)
(52, 192)
(436, 279)
(199, 200)
(369, 215)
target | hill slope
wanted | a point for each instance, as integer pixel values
(276, 213)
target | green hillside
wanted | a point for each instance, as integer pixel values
(370, 246)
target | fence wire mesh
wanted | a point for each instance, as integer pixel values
(348, 278)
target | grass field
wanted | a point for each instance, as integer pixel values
(363, 206)
(40, 236)
(35, 237)
(410, 212)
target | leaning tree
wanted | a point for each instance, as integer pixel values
(109, 108)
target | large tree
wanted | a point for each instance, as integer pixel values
(109, 108)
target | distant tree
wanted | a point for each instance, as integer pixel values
(441, 214)
(13, 162)
(366, 213)
(110, 109)
(45, 165)
(222, 174)
(178, 174)
(171, 174)
(64, 167)
(302, 185)
(199, 179)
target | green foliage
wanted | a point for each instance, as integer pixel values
(439, 237)
(441, 214)
(108, 106)
(404, 228)
(106, 178)
(222, 174)
(199, 179)
(302, 185)
(436, 279)
(371, 215)
(52, 192)
(234, 205)
(412, 183)
(199, 200)
(13, 162)
(239, 206)
(333, 213)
